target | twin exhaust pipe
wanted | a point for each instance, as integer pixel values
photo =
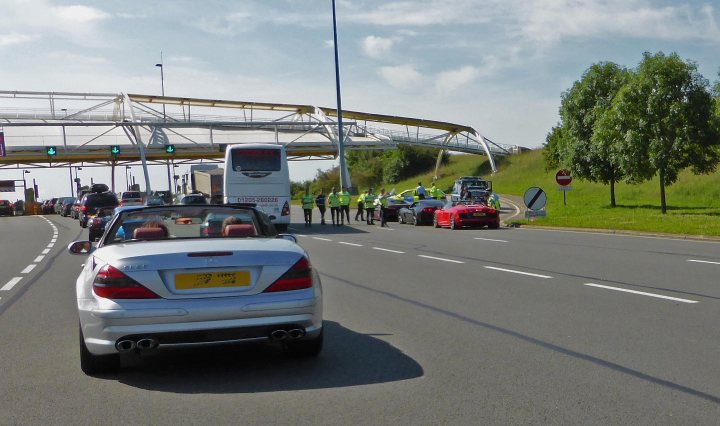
(293, 334)
(144, 344)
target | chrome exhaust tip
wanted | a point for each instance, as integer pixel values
(125, 345)
(147, 344)
(279, 335)
(296, 333)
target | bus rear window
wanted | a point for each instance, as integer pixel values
(256, 160)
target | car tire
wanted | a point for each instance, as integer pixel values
(306, 348)
(401, 219)
(493, 225)
(96, 364)
(415, 221)
(92, 236)
(452, 222)
(435, 222)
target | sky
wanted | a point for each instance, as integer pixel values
(499, 66)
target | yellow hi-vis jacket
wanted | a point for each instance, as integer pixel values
(333, 200)
(345, 198)
(307, 202)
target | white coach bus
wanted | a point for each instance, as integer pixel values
(258, 173)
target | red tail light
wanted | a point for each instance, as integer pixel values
(427, 210)
(296, 278)
(285, 209)
(110, 283)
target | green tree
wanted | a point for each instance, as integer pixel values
(663, 122)
(576, 146)
(554, 149)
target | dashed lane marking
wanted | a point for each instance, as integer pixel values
(321, 239)
(28, 268)
(490, 239)
(388, 250)
(46, 251)
(642, 293)
(512, 271)
(10, 284)
(703, 261)
(39, 258)
(350, 244)
(440, 258)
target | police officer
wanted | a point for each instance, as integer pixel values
(369, 202)
(360, 207)
(320, 203)
(383, 201)
(334, 202)
(494, 201)
(420, 191)
(435, 192)
(344, 205)
(307, 205)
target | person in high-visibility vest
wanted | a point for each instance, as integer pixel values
(360, 207)
(344, 206)
(307, 205)
(320, 203)
(435, 192)
(369, 202)
(494, 201)
(334, 203)
(383, 201)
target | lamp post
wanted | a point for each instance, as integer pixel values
(77, 180)
(162, 82)
(344, 179)
(24, 197)
(127, 180)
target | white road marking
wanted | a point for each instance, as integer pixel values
(46, 251)
(518, 272)
(440, 258)
(350, 244)
(703, 261)
(54, 240)
(659, 296)
(301, 235)
(39, 259)
(28, 268)
(322, 239)
(490, 239)
(386, 228)
(50, 245)
(10, 284)
(388, 250)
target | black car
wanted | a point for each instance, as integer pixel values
(93, 201)
(96, 225)
(6, 208)
(420, 212)
(193, 199)
(166, 196)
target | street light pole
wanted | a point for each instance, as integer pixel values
(162, 82)
(344, 179)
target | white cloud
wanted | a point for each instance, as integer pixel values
(13, 38)
(449, 81)
(424, 13)
(401, 77)
(376, 47)
(79, 14)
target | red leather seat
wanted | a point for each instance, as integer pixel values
(149, 234)
(239, 230)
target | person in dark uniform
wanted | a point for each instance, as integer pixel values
(320, 203)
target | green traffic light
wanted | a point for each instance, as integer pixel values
(114, 150)
(170, 149)
(51, 151)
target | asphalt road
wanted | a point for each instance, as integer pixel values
(424, 326)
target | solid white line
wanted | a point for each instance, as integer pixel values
(350, 244)
(518, 272)
(440, 258)
(46, 251)
(28, 268)
(10, 284)
(322, 239)
(388, 250)
(659, 296)
(39, 259)
(490, 239)
(703, 261)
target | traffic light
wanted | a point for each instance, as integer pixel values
(51, 151)
(115, 150)
(170, 149)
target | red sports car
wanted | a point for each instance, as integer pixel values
(459, 214)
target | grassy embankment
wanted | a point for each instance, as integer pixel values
(693, 202)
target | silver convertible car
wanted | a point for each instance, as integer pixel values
(195, 275)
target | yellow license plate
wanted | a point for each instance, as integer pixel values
(212, 280)
(479, 214)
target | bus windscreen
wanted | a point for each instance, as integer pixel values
(256, 160)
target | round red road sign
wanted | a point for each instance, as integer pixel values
(563, 178)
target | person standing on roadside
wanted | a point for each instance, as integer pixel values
(369, 202)
(360, 208)
(307, 205)
(334, 202)
(435, 192)
(420, 191)
(383, 201)
(344, 206)
(320, 203)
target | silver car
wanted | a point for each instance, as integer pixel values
(158, 279)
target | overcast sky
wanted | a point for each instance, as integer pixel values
(496, 65)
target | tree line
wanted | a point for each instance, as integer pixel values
(630, 125)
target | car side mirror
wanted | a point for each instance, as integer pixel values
(80, 247)
(289, 237)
